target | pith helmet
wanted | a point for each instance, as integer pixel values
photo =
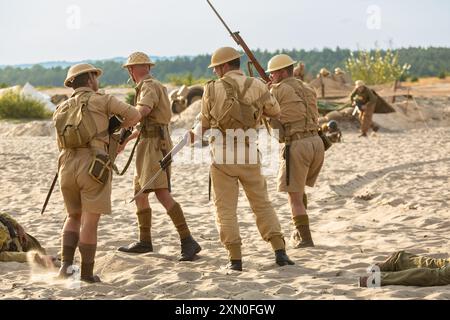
(224, 55)
(338, 71)
(279, 62)
(359, 84)
(78, 70)
(138, 58)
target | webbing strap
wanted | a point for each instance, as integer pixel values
(301, 95)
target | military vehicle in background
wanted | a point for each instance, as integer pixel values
(181, 99)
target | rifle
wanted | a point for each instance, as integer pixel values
(238, 39)
(165, 163)
(49, 194)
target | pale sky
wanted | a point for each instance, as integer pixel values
(52, 30)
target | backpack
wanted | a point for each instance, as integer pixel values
(237, 114)
(74, 124)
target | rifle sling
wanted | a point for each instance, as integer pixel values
(130, 159)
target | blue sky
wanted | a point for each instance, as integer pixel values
(48, 30)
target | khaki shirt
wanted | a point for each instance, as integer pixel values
(152, 94)
(296, 108)
(256, 91)
(365, 97)
(104, 106)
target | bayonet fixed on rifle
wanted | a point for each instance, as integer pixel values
(165, 163)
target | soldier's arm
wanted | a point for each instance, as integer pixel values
(272, 107)
(148, 99)
(203, 117)
(205, 114)
(127, 112)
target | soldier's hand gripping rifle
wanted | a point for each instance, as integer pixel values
(238, 39)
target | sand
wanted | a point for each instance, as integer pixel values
(374, 196)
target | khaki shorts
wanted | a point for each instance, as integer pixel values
(148, 155)
(81, 193)
(306, 161)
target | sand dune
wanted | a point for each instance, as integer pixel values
(374, 196)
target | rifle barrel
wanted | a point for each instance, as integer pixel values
(220, 18)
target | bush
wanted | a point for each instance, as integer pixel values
(414, 79)
(185, 79)
(442, 75)
(376, 68)
(15, 106)
(3, 85)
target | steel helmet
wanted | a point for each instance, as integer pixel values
(79, 69)
(224, 55)
(333, 125)
(279, 62)
(359, 83)
(138, 58)
(324, 72)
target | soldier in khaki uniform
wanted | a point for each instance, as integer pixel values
(232, 104)
(303, 154)
(299, 71)
(15, 244)
(85, 198)
(366, 101)
(340, 76)
(152, 101)
(406, 269)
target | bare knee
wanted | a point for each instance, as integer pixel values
(89, 225)
(165, 198)
(296, 202)
(73, 222)
(296, 199)
(142, 201)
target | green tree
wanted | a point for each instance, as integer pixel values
(376, 67)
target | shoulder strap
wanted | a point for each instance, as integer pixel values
(247, 84)
(231, 86)
(211, 91)
(301, 94)
(84, 100)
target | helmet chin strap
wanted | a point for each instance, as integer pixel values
(92, 79)
(131, 76)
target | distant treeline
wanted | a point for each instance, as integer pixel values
(424, 61)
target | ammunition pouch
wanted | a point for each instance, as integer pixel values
(100, 168)
(157, 131)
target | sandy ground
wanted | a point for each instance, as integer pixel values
(374, 196)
